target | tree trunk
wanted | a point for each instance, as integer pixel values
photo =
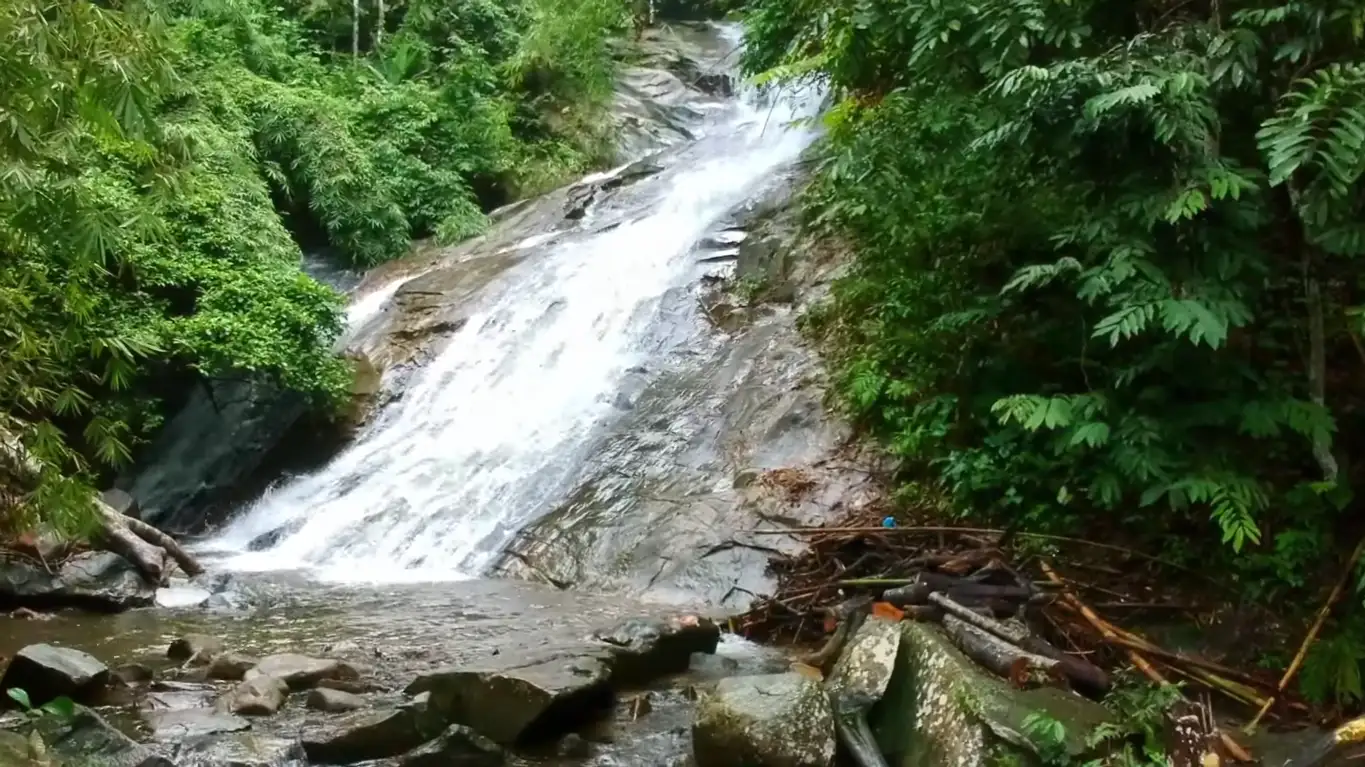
(379, 26)
(134, 540)
(355, 28)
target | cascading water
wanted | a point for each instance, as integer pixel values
(490, 432)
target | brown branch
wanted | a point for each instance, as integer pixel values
(1308, 640)
(1141, 663)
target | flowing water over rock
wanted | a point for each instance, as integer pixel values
(516, 355)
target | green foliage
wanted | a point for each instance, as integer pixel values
(60, 707)
(1106, 276)
(164, 161)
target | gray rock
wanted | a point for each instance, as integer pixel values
(179, 724)
(458, 746)
(259, 695)
(334, 701)
(301, 672)
(505, 701)
(231, 666)
(774, 720)
(134, 673)
(196, 649)
(46, 671)
(100, 580)
(363, 735)
(573, 746)
(943, 709)
(239, 749)
(643, 649)
(122, 502)
(864, 669)
(87, 740)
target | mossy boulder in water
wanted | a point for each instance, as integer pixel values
(772, 720)
(98, 580)
(47, 671)
(942, 710)
(376, 734)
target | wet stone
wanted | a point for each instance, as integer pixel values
(259, 695)
(195, 649)
(458, 746)
(47, 671)
(363, 735)
(231, 666)
(773, 720)
(301, 672)
(178, 724)
(333, 701)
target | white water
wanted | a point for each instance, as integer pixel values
(486, 436)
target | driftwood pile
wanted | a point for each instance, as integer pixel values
(1030, 630)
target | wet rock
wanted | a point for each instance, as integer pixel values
(458, 746)
(122, 502)
(943, 709)
(134, 673)
(195, 649)
(523, 696)
(334, 701)
(87, 739)
(573, 746)
(239, 749)
(301, 672)
(179, 724)
(182, 596)
(231, 666)
(868, 660)
(363, 735)
(258, 695)
(98, 580)
(46, 671)
(353, 686)
(14, 749)
(774, 720)
(645, 648)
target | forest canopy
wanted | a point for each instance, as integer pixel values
(1105, 277)
(164, 162)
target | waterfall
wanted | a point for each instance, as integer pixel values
(490, 432)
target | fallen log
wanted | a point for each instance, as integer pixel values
(963, 590)
(1085, 677)
(134, 540)
(1024, 669)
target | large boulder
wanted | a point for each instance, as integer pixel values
(231, 666)
(47, 671)
(301, 672)
(773, 720)
(941, 708)
(522, 696)
(98, 580)
(458, 746)
(364, 735)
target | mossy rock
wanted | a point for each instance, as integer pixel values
(942, 710)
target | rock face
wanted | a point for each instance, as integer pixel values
(541, 693)
(95, 579)
(728, 436)
(45, 672)
(865, 668)
(774, 720)
(941, 708)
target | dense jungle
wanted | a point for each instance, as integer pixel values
(1097, 283)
